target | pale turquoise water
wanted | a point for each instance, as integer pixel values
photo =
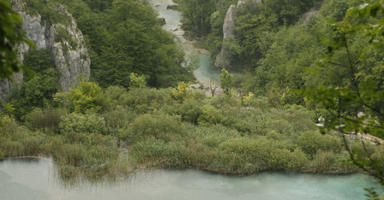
(23, 180)
(206, 71)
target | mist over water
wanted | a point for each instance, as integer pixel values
(36, 180)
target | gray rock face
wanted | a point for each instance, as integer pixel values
(223, 59)
(71, 60)
(312, 12)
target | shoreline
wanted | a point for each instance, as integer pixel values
(204, 169)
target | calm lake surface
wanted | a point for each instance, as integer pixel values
(36, 180)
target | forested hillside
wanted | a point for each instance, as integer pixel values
(122, 37)
(280, 48)
(292, 65)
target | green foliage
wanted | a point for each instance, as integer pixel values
(182, 91)
(311, 143)
(371, 194)
(353, 52)
(353, 48)
(9, 125)
(18, 141)
(50, 11)
(226, 81)
(44, 119)
(143, 100)
(118, 119)
(196, 15)
(181, 128)
(87, 123)
(218, 134)
(190, 110)
(84, 154)
(323, 161)
(63, 36)
(159, 126)
(210, 115)
(36, 92)
(114, 94)
(137, 81)
(286, 11)
(87, 96)
(38, 61)
(252, 154)
(123, 38)
(10, 37)
(39, 85)
(99, 5)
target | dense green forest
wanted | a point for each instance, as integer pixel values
(122, 37)
(281, 48)
(287, 71)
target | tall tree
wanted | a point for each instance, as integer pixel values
(356, 101)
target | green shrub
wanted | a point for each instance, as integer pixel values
(311, 142)
(2, 154)
(143, 100)
(70, 154)
(273, 135)
(8, 126)
(114, 94)
(87, 96)
(298, 160)
(300, 118)
(75, 122)
(190, 110)
(118, 119)
(39, 86)
(12, 148)
(280, 125)
(323, 161)
(254, 153)
(88, 154)
(210, 116)
(212, 136)
(159, 125)
(33, 143)
(45, 119)
(284, 159)
(159, 153)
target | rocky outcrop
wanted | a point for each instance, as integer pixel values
(7, 85)
(223, 59)
(71, 57)
(312, 12)
(69, 53)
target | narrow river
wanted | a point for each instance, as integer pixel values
(206, 71)
(36, 180)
